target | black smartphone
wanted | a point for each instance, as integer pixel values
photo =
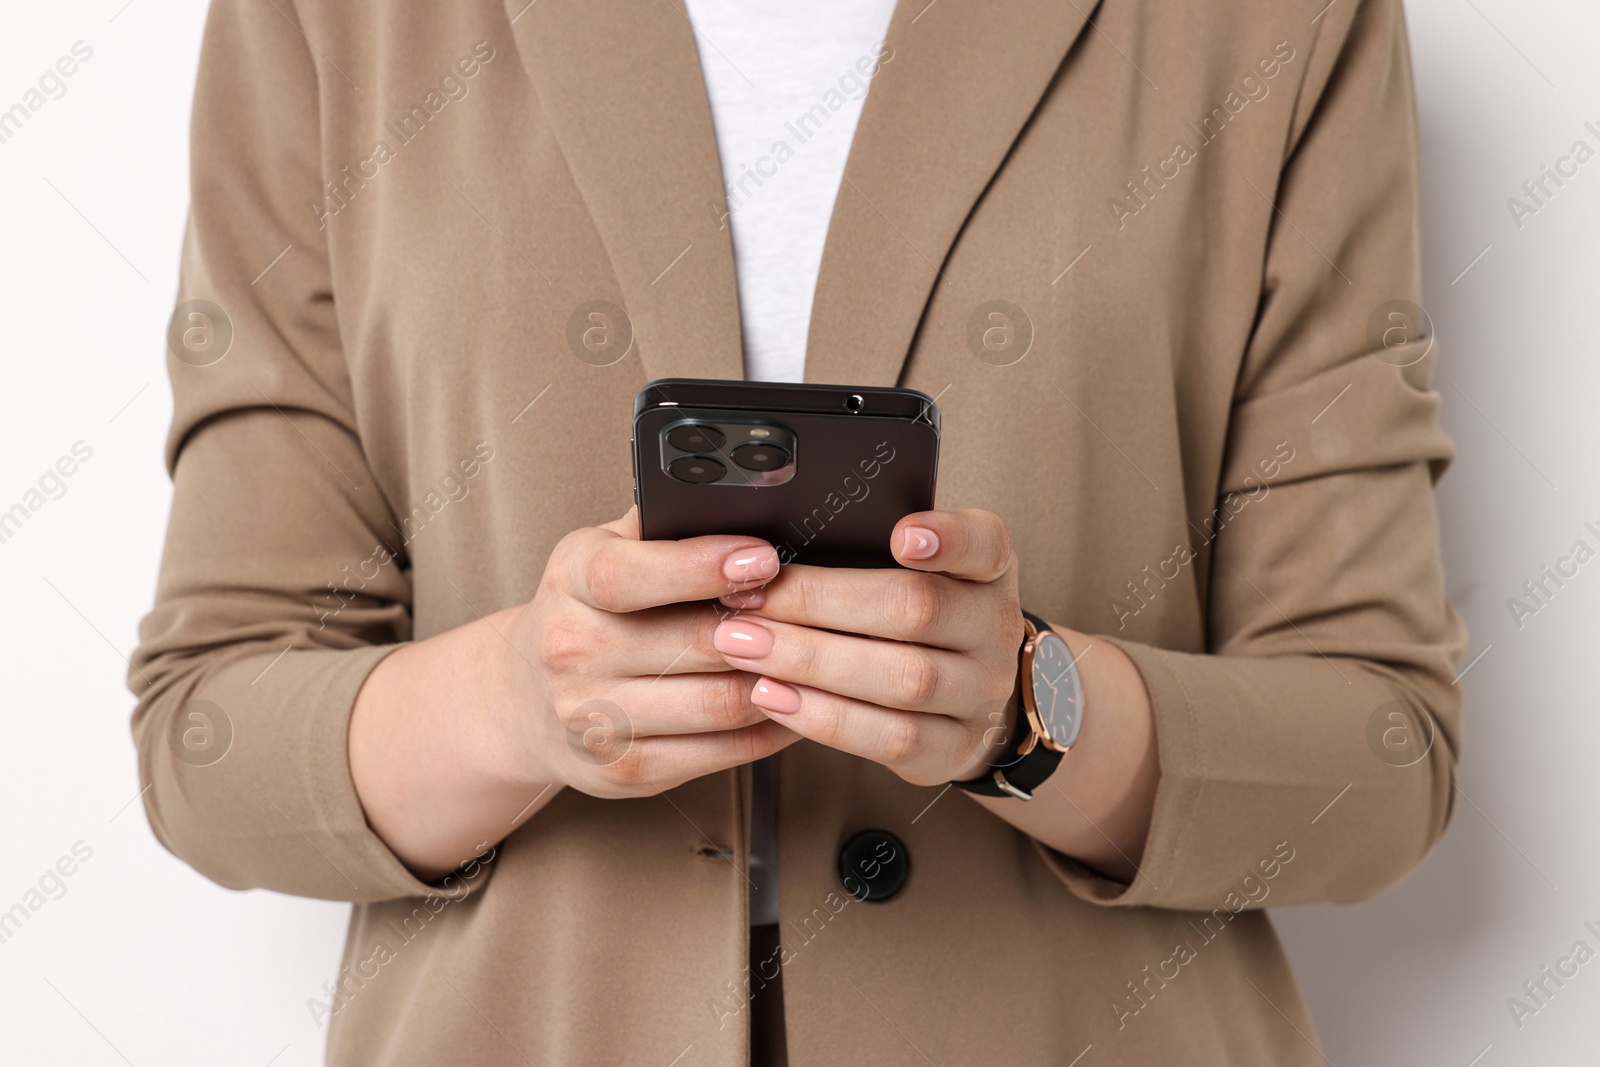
(822, 472)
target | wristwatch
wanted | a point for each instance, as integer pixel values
(1051, 714)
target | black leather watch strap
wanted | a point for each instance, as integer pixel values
(1022, 774)
(1025, 775)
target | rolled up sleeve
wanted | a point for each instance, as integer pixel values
(1322, 719)
(282, 584)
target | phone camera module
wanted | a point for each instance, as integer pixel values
(760, 457)
(855, 402)
(698, 470)
(695, 438)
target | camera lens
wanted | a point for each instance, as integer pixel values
(760, 457)
(696, 438)
(696, 469)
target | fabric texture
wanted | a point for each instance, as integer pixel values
(785, 84)
(1138, 263)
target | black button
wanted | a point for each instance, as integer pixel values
(874, 865)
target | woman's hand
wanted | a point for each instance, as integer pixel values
(915, 669)
(607, 681)
(612, 684)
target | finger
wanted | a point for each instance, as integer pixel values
(683, 704)
(613, 572)
(655, 641)
(654, 764)
(890, 673)
(917, 746)
(889, 602)
(627, 526)
(744, 599)
(970, 544)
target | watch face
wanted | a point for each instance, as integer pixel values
(1056, 692)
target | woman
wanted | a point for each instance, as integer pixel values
(1157, 260)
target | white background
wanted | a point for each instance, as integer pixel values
(141, 949)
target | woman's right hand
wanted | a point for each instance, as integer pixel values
(606, 681)
(612, 685)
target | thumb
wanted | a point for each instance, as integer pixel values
(627, 526)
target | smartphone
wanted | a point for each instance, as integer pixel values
(821, 472)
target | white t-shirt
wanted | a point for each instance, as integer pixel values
(786, 83)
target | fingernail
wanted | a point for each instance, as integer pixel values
(751, 564)
(775, 696)
(736, 637)
(748, 600)
(919, 542)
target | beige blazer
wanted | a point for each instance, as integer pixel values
(1199, 221)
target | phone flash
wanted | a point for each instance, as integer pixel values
(760, 431)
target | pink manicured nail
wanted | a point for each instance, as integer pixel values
(775, 696)
(751, 564)
(736, 637)
(919, 542)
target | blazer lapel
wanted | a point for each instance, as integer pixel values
(943, 111)
(621, 87)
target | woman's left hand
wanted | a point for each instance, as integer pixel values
(915, 669)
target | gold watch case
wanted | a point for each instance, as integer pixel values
(1042, 733)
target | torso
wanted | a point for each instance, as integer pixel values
(580, 169)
